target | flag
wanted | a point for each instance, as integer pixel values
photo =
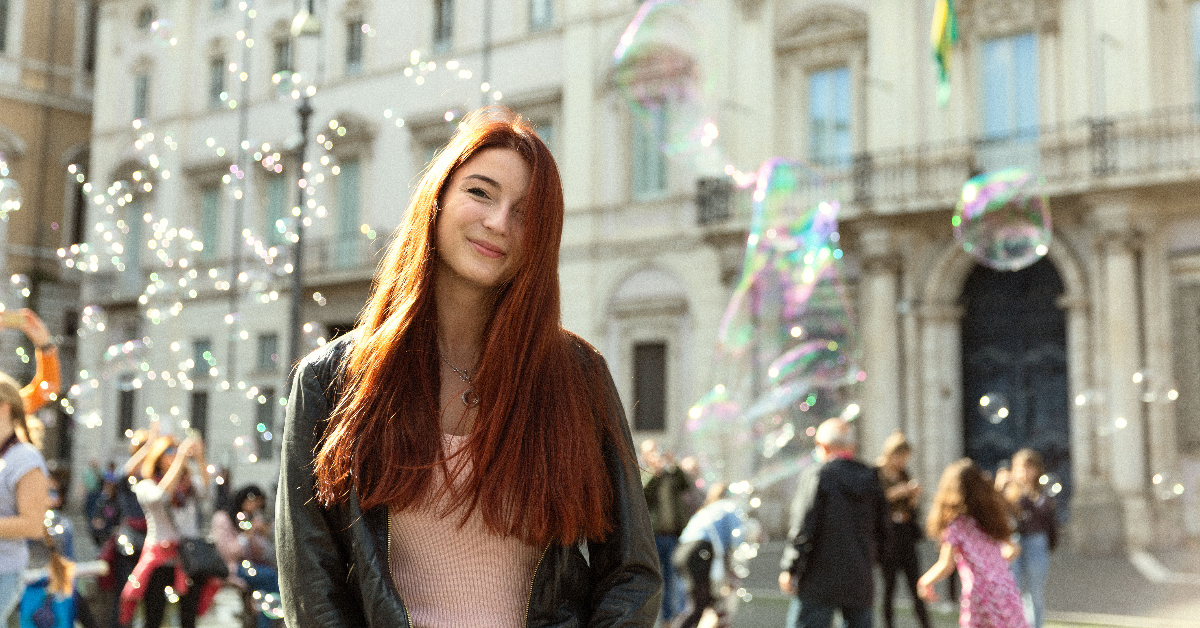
(943, 34)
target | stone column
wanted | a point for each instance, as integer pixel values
(1122, 352)
(941, 426)
(879, 334)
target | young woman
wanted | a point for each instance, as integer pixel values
(900, 555)
(47, 378)
(23, 496)
(461, 459)
(1037, 528)
(970, 519)
(170, 500)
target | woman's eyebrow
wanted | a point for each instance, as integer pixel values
(485, 179)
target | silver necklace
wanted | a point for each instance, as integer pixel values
(469, 398)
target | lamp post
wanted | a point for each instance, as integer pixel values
(305, 24)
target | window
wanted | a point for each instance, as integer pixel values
(1010, 102)
(546, 132)
(268, 352)
(219, 5)
(198, 412)
(145, 18)
(264, 423)
(3, 25)
(135, 243)
(649, 386)
(1195, 48)
(202, 358)
(282, 67)
(541, 14)
(348, 237)
(79, 203)
(141, 95)
(277, 202)
(443, 25)
(216, 82)
(354, 46)
(829, 117)
(89, 44)
(126, 405)
(649, 159)
(210, 220)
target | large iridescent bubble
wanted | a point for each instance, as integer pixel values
(657, 69)
(1003, 219)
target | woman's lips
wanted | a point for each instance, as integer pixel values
(486, 250)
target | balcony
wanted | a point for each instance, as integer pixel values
(1159, 147)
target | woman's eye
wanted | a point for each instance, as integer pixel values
(477, 192)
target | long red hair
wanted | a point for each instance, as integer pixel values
(537, 467)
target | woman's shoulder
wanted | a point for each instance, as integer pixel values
(588, 356)
(22, 458)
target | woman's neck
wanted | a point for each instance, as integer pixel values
(462, 314)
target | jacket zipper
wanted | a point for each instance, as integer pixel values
(529, 600)
(407, 615)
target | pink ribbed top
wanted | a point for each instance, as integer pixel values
(451, 577)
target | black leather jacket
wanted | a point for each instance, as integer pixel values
(333, 569)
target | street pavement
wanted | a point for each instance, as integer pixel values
(1146, 590)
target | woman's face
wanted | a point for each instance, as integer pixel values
(480, 223)
(251, 504)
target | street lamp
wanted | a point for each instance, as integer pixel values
(305, 24)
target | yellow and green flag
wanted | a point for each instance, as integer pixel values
(942, 36)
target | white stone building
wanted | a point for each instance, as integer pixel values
(1096, 97)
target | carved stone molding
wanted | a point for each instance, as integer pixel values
(998, 18)
(812, 29)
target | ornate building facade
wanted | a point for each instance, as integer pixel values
(1095, 347)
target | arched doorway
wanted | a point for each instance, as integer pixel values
(1014, 366)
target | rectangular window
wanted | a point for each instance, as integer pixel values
(135, 243)
(126, 405)
(219, 5)
(216, 82)
(202, 358)
(79, 206)
(1009, 103)
(649, 157)
(3, 25)
(276, 209)
(541, 14)
(443, 25)
(268, 352)
(210, 220)
(649, 386)
(282, 67)
(354, 46)
(264, 423)
(141, 95)
(829, 117)
(198, 412)
(89, 43)
(546, 132)
(346, 247)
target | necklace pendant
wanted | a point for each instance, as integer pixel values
(469, 398)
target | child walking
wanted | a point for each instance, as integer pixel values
(971, 520)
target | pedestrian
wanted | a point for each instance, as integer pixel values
(170, 497)
(900, 554)
(838, 528)
(243, 537)
(666, 488)
(448, 462)
(23, 496)
(970, 519)
(47, 376)
(704, 557)
(1037, 528)
(123, 548)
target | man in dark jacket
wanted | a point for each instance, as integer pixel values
(838, 527)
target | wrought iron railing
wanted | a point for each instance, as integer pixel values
(1121, 151)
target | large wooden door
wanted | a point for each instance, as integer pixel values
(1015, 390)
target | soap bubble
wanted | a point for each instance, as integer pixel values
(163, 31)
(1166, 486)
(92, 319)
(656, 69)
(1003, 220)
(10, 197)
(994, 407)
(1051, 484)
